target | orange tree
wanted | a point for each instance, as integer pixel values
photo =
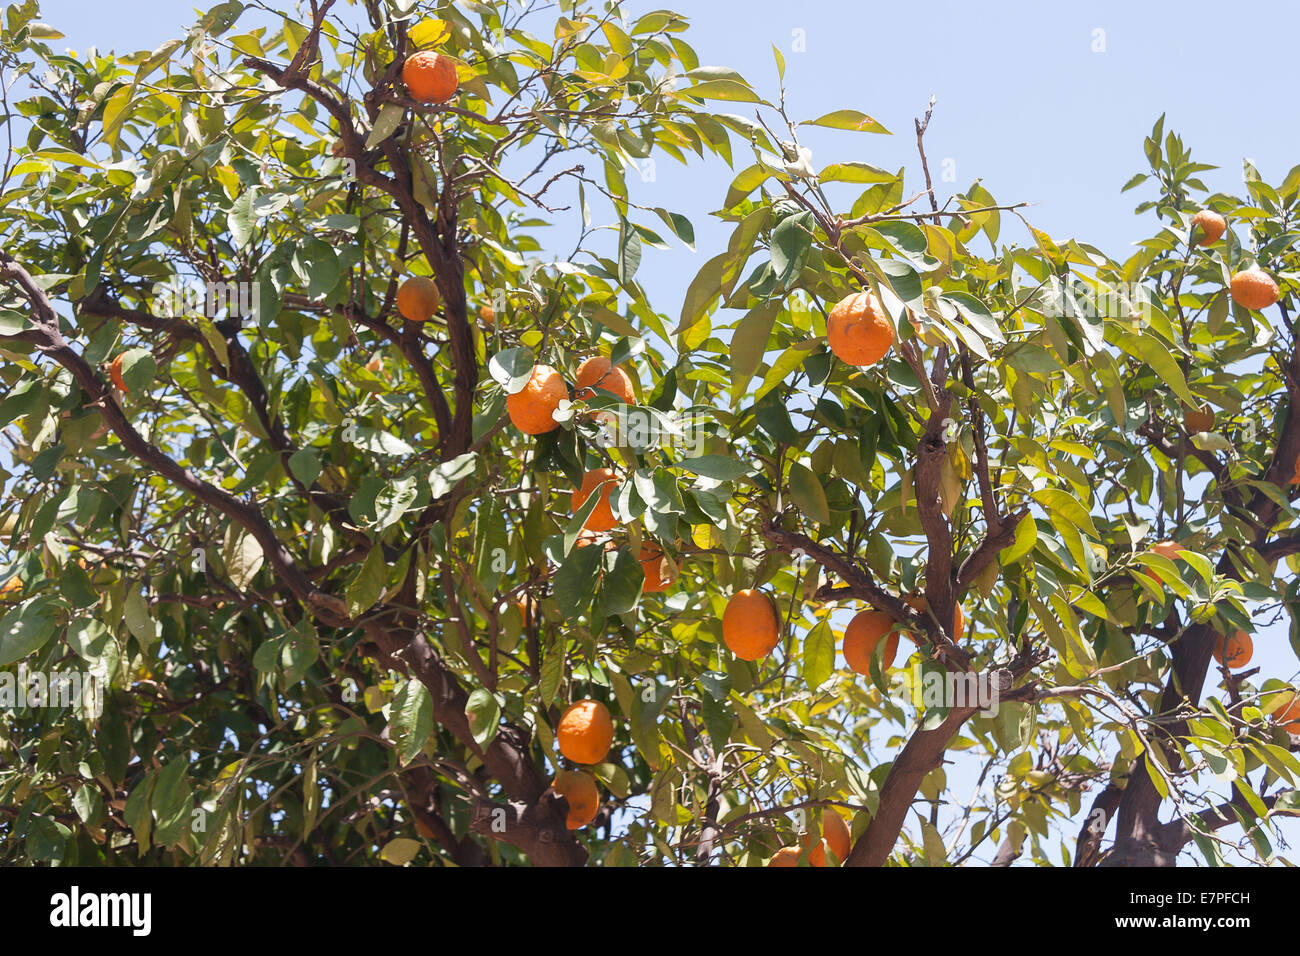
(408, 538)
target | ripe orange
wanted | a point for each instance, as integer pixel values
(375, 365)
(532, 408)
(430, 77)
(750, 626)
(659, 570)
(1168, 549)
(12, 586)
(418, 299)
(786, 856)
(596, 372)
(919, 604)
(488, 314)
(1288, 715)
(586, 538)
(578, 788)
(835, 835)
(115, 373)
(586, 732)
(602, 516)
(1198, 419)
(863, 634)
(1253, 289)
(1295, 477)
(1212, 225)
(858, 331)
(1234, 651)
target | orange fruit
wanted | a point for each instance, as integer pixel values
(532, 408)
(586, 538)
(786, 856)
(115, 373)
(1212, 225)
(375, 365)
(1295, 477)
(1289, 715)
(919, 604)
(835, 835)
(1167, 549)
(596, 372)
(487, 314)
(660, 572)
(1198, 419)
(586, 732)
(1253, 289)
(863, 634)
(1234, 651)
(578, 788)
(418, 299)
(602, 516)
(430, 77)
(858, 331)
(12, 586)
(750, 626)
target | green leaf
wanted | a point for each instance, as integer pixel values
(576, 579)
(855, 172)
(364, 589)
(791, 244)
(89, 803)
(484, 714)
(718, 467)
(138, 619)
(138, 370)
(977, 315)
(386, 123)
(748, 343)
(818, 655)
(786, 362)
(1147, 348)
(807, 493)
(512, 368)
(47, 840)
(379, 442)
(447, 475)
(242, 556)
(702, 292)
(305, 465)
(1062, 503)
(733, 90)
(680, 225)
(629, 252)
(848, 119)
(412, 719)
(24, 629)
(552, 673)
(1026, 536)
(622, 581)
(400, 851)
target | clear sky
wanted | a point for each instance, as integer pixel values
(1046, 102)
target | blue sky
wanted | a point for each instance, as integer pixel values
(1045, 102)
